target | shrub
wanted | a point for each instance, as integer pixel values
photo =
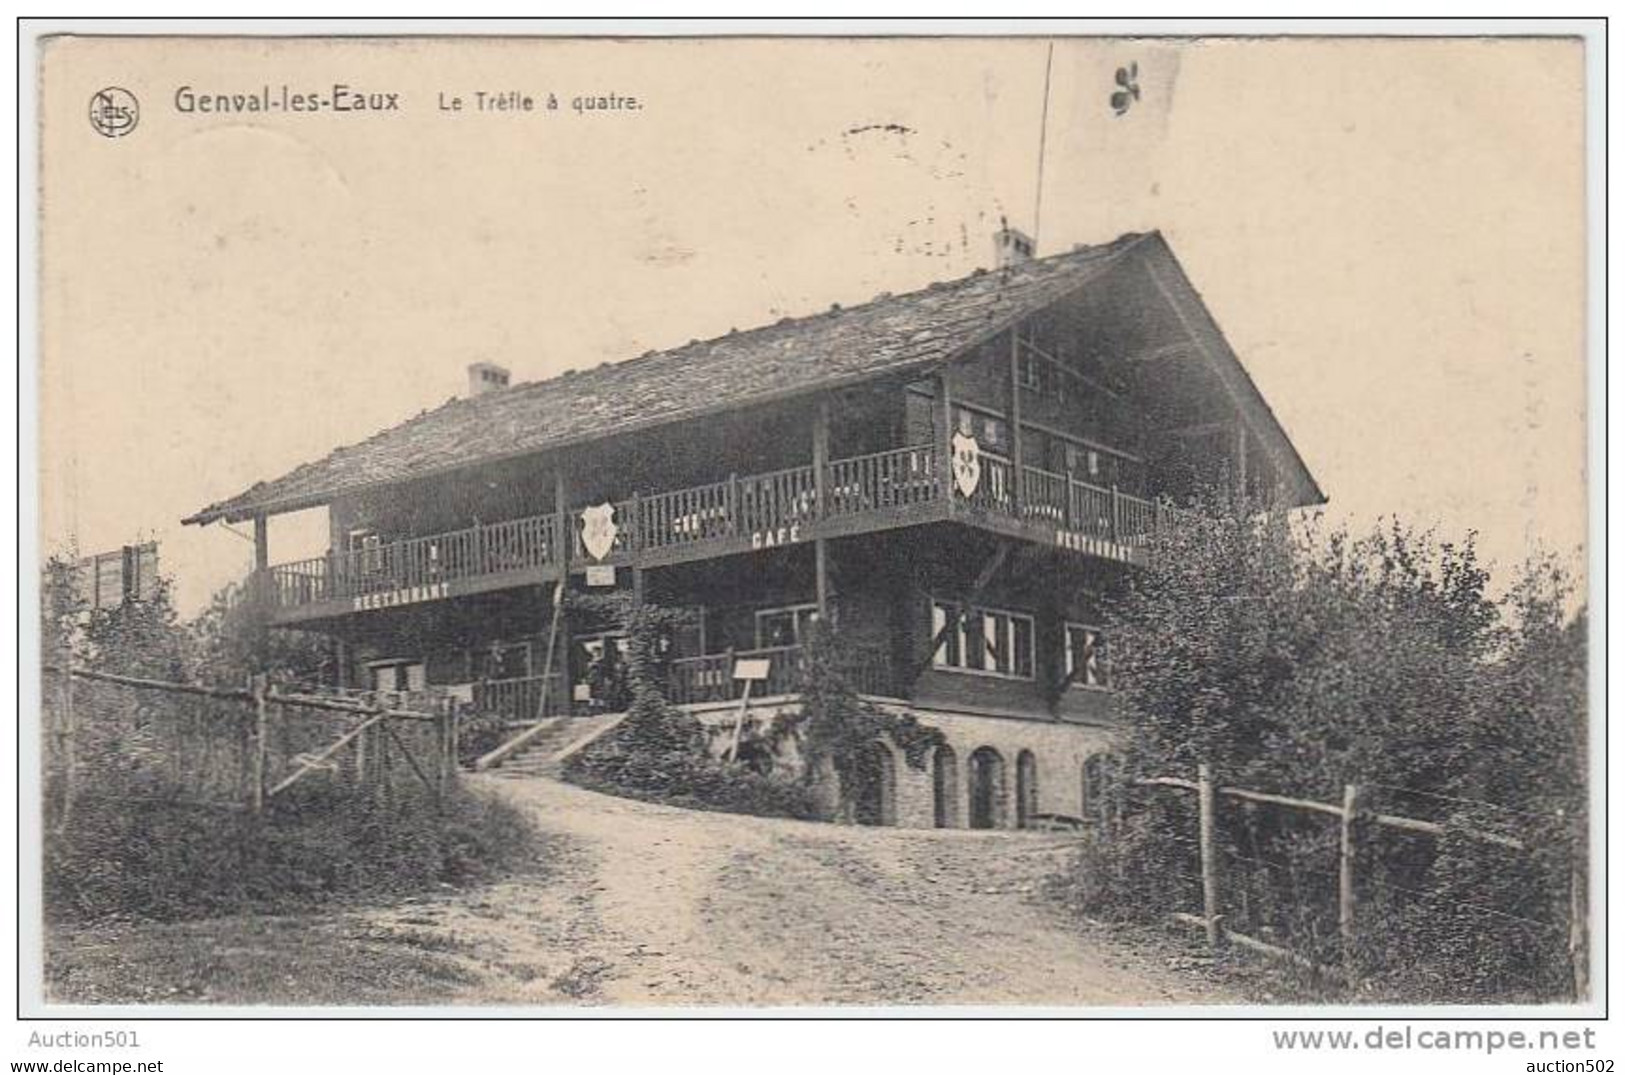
(1297, 662)
(658, 754)
(135, 853)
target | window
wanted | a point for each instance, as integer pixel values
(986, 640)
(992, 434)
(367, 549)
(507, 660)
(398, 676)
(1027, 369)
(790, 626)
(1086, 664)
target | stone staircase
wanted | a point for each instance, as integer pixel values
(559, 738)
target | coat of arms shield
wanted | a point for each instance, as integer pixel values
(967, 463)
(598, 530)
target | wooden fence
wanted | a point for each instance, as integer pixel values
(239, 748)
(1357, 822)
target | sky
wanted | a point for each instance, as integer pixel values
(1390, 233)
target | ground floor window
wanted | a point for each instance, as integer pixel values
(506, 660)
(788, 626)
(988, 640)
(398, 676)
(1086, 656)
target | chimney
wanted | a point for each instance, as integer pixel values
(1012, 246)
(485, 377)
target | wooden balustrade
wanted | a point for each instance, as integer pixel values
(487, 549)
(995, 487)
(738, 509)
(883, 481)
(770, 502)
(698, 680)
(685, 516)
(519, 698)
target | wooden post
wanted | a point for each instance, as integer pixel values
(262, 543)
(455, 734)
(1579, 924)
(256, 764)
(821, 577)
(442, 747)
(820, 455)
(361, 759)
(380, 744)
(739, 719)
(1206, 842)
(261, 599)
(1345, 872)
(69, 745)
(561, 616)
(1018, 480)
(1117, 514)
(945, 441)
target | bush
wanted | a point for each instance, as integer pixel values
(157, 857)
(1296, 663)
(659, 754)
(478, 734)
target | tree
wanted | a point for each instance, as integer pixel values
(1295, 660)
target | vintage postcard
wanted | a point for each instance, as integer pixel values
(978, 522)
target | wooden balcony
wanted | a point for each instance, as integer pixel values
(890, 489)
(429, 568)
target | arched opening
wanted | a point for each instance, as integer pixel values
(874, 798)
(945, 787)
(1096, 780)
(1026, 789)
(986, 789)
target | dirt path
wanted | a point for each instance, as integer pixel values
(649, 905)
(694, 908)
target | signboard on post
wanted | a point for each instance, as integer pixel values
(752, 669)
(600, 574)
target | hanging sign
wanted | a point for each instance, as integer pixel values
(967, 463)
(600, 574)
(598, 530)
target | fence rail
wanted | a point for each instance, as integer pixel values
(232, 746)
(1352, 813)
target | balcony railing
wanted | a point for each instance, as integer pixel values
(739, 512)
(478, 551)
(519, 698)
(697, 680)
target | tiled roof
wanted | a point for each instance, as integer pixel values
(894, 334)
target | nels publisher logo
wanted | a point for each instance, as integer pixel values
(114, 112)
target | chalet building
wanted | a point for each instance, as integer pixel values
(949, 478)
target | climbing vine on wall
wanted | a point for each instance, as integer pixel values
(836, 724)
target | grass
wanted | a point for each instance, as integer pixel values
(299, 959)
(125, 857)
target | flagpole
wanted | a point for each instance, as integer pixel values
(1043, 137)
